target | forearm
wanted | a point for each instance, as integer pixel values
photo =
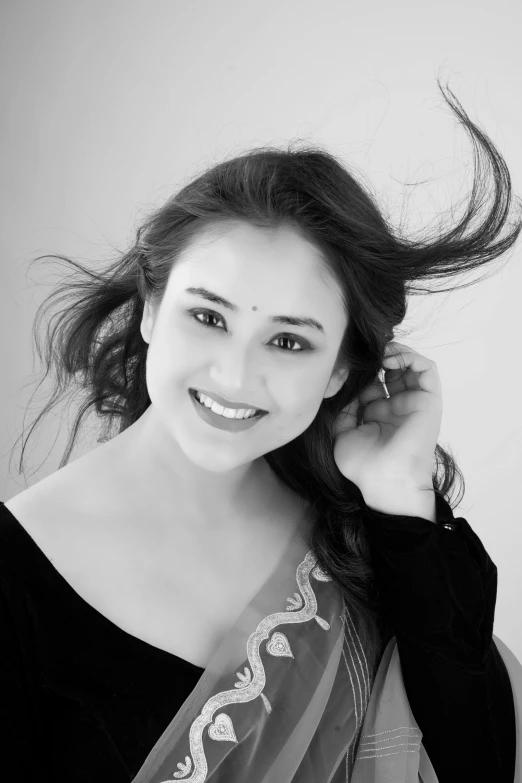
(438, 589)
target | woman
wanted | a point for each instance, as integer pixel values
(281, 597)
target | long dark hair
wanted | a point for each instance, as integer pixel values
(97, 340)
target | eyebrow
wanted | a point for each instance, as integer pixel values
(292, 320)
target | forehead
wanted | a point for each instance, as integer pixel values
(272, 265)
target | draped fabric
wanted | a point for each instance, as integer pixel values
(286, 698)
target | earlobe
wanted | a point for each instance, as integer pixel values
(146, 323)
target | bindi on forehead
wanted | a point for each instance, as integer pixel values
(292, 320)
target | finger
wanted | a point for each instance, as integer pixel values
(375, 390)
(399, 405)
(428, 377)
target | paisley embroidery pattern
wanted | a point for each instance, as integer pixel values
(279, 645)
(320, 575)
(302, 607)
(222, 729)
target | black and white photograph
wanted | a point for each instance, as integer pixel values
(261, 431)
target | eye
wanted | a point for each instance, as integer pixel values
(305, 346)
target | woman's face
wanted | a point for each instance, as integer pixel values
(242, 354)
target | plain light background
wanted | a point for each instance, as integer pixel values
(109, 106)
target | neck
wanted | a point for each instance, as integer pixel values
(160, 476)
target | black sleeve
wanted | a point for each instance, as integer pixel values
(19, 750)
(438, 588)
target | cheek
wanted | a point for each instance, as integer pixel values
(169, 355)
(301, 400)
(165, 363)
(297, 408)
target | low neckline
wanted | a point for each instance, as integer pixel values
(100, 617)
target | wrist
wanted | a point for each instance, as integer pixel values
(402, 499)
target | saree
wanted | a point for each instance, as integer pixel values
(286, 697)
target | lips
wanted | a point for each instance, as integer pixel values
(258, 413)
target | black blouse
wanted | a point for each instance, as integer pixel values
(438, 586)
(83, 700)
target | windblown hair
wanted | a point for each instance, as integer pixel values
(97, 340)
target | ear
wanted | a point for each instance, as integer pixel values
(336, 381)
(147, 322)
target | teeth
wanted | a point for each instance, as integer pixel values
(228, 413)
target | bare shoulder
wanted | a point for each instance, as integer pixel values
(74, 518)
(58, 499)
(66, 515)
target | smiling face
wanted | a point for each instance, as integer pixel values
(240, 352)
